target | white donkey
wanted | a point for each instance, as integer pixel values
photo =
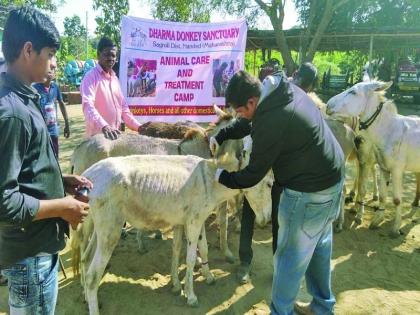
(156, 191)
(396, 138)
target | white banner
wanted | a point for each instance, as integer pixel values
(175, 71)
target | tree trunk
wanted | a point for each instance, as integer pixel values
(329, 11)
(283, 48)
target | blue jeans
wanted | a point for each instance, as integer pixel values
(304, 247)
(33, 285)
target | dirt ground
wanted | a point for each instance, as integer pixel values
(373, 274)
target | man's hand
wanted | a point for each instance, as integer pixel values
(219, 171)
(72, 183)
(110, 133)
(214, 145)
(66, 131)
(74, 211)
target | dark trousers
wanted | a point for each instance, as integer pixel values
(54, 140)
(247, 226)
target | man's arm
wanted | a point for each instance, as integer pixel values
(239, 129)
(128, 117)
(266, 147)
(88, 92)
(18, 209)
(63, 112)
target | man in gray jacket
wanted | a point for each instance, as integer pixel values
(290, 136)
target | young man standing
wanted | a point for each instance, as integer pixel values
(34, 212)
(103, 101)
(50, 95)
(290, 137)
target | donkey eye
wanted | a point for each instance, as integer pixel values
(352, 92)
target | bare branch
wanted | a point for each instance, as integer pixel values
(263, 6)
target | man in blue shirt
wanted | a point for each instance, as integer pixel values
(50, 95)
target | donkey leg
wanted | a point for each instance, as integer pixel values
(107, 240)
(380, 212)
(375, 182)
(176, 251)
(192, 231)
(397, 178)
(338, 227)
(361, 193)
(223, 227)
(203, 249)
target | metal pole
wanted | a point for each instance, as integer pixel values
(86, 39)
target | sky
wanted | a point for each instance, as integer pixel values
(140, 8)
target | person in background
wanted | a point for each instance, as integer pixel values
(306, 77)
(104, 105)
(50, 95)
(34, 212)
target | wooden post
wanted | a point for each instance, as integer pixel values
(370, 56)
(255, 60)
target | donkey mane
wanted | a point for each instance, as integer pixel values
(389, 105)
(221, 119)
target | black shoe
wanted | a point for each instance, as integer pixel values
(243, 274)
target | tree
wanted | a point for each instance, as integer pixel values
(181, 10)
(7, 5)
(73, 43)
(109, 23)
(73, 27)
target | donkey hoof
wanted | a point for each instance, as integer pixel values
(230, 259)
(358, 220)
(176, 291)
(375, 198)
(143, 251)
(394, 234)
(193, 302)
(211, 280)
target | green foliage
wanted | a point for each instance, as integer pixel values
(73, 44)
(7, 5)
(73, 27)
(109, 23)
(181, 10)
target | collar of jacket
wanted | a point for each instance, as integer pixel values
(276, 91)
(18, 87)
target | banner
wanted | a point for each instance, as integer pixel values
(175, 71)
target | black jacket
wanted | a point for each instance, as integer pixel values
(292, 138)
(29, 172)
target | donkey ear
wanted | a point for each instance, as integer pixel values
(218, 111)
(378, 86)
(383, 86)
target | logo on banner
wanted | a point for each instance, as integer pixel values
(138, 37)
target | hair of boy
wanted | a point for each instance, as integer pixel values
(242, 86)
(307, 75)
(27, 24)
(105, 42)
